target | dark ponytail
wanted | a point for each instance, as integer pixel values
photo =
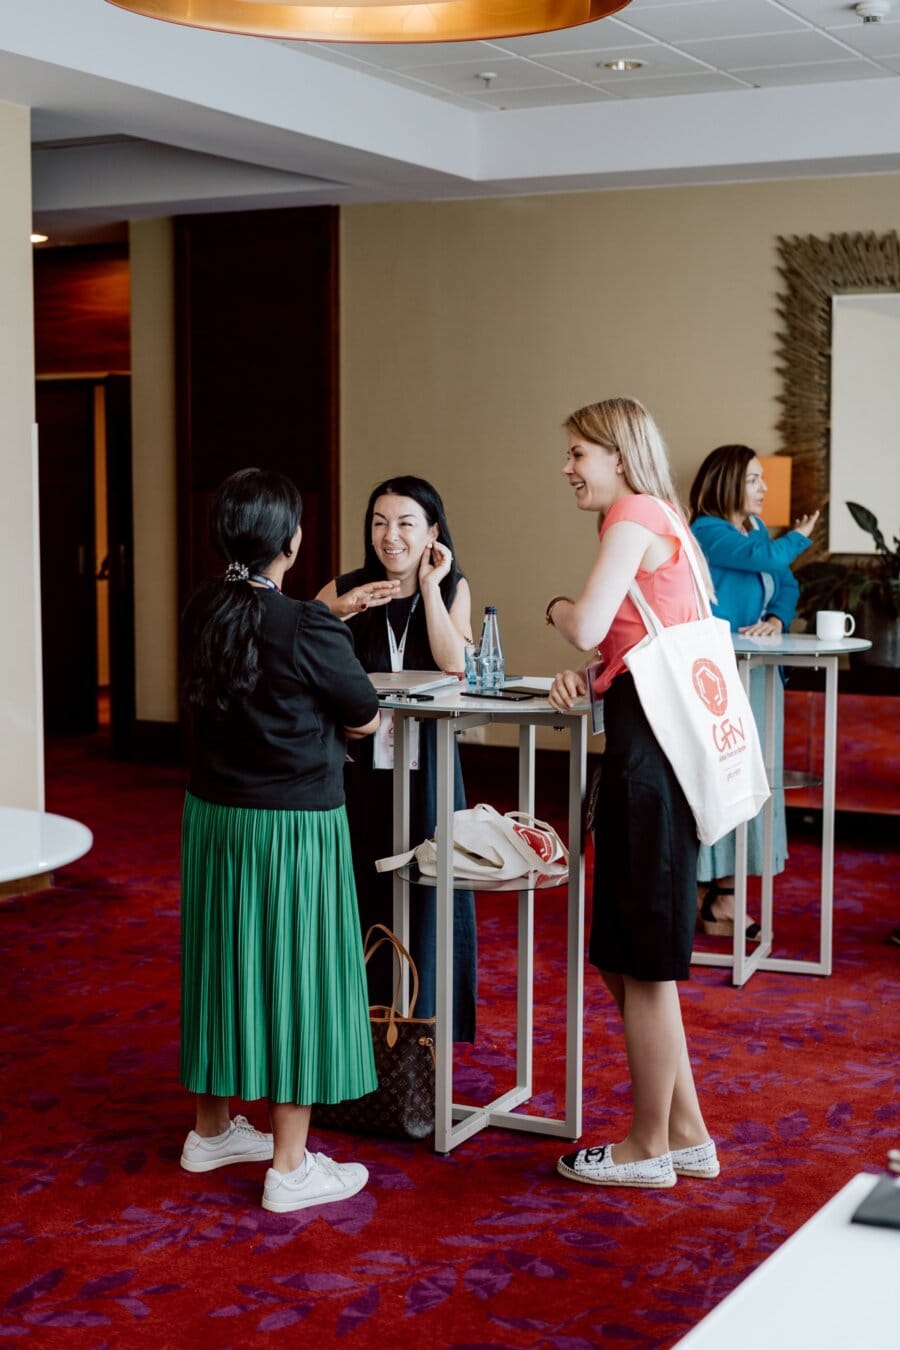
(253, 519)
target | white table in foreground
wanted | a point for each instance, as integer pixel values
(788, 649)
(33, 843)
(454, 712)
(831, 1286)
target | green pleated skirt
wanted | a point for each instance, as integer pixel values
(273, 986)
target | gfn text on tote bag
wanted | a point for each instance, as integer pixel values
(687, 680)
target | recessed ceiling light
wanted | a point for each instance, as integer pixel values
(621, 65)
(39, 238)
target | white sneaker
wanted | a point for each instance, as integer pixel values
(595, 1167)
(319, 1182)
(240, 1143)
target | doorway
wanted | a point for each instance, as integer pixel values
(83, 410)
(87, 588)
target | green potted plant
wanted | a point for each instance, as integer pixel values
(868, 591)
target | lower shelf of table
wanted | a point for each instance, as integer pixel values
(792, 779)
(533, 881)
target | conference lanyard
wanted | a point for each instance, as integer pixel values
(396, 648)
(383, 749)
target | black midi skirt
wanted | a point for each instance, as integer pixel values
(645, 838)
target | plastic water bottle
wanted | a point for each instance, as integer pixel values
(491, 659)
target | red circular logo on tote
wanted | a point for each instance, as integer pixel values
(537, 840)
(709, 684)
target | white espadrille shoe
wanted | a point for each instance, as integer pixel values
(595, 1167)
(698, 1161)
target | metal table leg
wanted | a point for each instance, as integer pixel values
(525, 933)
(400, 790)
(575, 931)
(443, 1102)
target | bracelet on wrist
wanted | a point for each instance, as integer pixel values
(548, 612)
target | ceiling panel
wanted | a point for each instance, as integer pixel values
(464, 77)
(658, 60)
(664, 86)
(872, 39)
(785, 49)
(688, 47)
(713, 18)
(817, 73)
(586, 37)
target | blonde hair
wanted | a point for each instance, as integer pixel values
(624, 425)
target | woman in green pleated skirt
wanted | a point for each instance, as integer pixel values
(274, 1000)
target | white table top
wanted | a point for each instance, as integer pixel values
(832, 1286)
(34, 842)
(797, 644)
(452, 702)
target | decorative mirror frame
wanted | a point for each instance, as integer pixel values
(813, 271)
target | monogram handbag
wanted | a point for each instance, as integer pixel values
(402, 1106)
(688, 684)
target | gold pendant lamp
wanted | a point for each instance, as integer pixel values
(374, 21)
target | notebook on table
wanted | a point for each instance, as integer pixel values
(388, 682)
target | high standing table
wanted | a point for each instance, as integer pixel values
(454, 713)
(770, 653)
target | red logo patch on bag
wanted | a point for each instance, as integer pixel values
(537, 841)
(709, 686)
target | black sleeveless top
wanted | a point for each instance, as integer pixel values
(369, 629)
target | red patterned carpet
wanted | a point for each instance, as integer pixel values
(106, 1242)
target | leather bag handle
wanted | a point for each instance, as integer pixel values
(370, 949)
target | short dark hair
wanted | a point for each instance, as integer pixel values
(718, 487)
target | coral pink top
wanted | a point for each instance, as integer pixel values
(669, 591)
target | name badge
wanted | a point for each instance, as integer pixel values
(383, 749)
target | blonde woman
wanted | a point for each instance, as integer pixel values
(645, 835)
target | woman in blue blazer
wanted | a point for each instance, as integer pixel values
(757, 593)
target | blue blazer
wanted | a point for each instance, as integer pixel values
(739, 564)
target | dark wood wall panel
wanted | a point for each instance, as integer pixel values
(81, 310)
(257, 372)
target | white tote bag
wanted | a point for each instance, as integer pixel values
(687, 680)
(488, 846)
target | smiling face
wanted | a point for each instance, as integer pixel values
(594, 474)
(400, 535)
(754, 489)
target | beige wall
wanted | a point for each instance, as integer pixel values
(470, 329)
(21, 715)
(154, 485)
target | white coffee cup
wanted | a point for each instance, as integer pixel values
(833, 624)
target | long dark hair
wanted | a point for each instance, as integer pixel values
(429, 499)
(718, 488)
(253, 519)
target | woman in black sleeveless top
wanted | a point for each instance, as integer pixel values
(409, 608)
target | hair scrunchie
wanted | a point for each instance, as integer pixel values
(236, 571)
